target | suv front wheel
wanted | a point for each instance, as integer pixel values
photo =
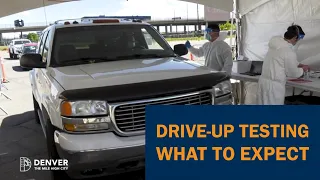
(52, 151)
(37, 110)
(51, 146)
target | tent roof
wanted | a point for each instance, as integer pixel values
(245, 6)
(10, 7)
(226, 5)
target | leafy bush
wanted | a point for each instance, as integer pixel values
(33, 37)
(227, 26)
(3, 48)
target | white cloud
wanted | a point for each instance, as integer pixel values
(160, 9)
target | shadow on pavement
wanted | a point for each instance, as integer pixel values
(16, 120)
(21, 136)
(8, 59)
(18, 69)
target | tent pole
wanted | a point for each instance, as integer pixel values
(238, 26)
(231, 32)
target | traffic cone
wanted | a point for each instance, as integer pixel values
(191, 57)
(4, 79)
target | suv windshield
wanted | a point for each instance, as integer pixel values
(29, 49)
(80, 45)
(21, 42)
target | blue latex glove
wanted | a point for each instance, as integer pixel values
(188, 44)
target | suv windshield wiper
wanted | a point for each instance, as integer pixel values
(85, 60)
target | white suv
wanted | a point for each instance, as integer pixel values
(92, 81)
(15, 47)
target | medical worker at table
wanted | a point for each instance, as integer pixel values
(280, 62)
(217, 53)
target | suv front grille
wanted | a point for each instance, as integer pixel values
(131, 117)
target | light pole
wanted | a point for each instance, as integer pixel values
(198, 16)
(187, 19)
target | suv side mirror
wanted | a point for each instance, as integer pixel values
(32, 61)
(180, 49)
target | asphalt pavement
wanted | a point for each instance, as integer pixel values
(20, 136)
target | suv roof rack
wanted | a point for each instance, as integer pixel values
(132, 19)
(87, 19)
(75, 21)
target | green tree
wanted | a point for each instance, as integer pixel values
(33, 37)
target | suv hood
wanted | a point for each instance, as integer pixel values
(129, 73)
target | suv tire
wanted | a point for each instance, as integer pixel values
(52, 151)
(11, 55)
(36, 110)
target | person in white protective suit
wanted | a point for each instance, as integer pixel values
(280, 62)
(217, 53)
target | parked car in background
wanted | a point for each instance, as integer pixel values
(29, 48)
(15, 46)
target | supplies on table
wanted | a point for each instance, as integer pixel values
(300, 80)
(255, 69)
(241, 65)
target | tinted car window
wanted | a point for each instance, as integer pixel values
(29, 49)
(114, 42)
(44, 37)
(46, 48)
(21, 42)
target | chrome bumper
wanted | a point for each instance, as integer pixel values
(224, 100)
(94, 155)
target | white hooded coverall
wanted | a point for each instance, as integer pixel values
(218, 55)
(280, 62)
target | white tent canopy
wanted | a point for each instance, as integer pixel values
(226, 5)
(263, 19)
(245, 6)
(9, 7)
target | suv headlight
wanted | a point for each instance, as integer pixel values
(83, 108)
(83, 116)
(223, 88)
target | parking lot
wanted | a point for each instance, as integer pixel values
(20, 136)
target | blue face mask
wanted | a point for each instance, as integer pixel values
(208, 37)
